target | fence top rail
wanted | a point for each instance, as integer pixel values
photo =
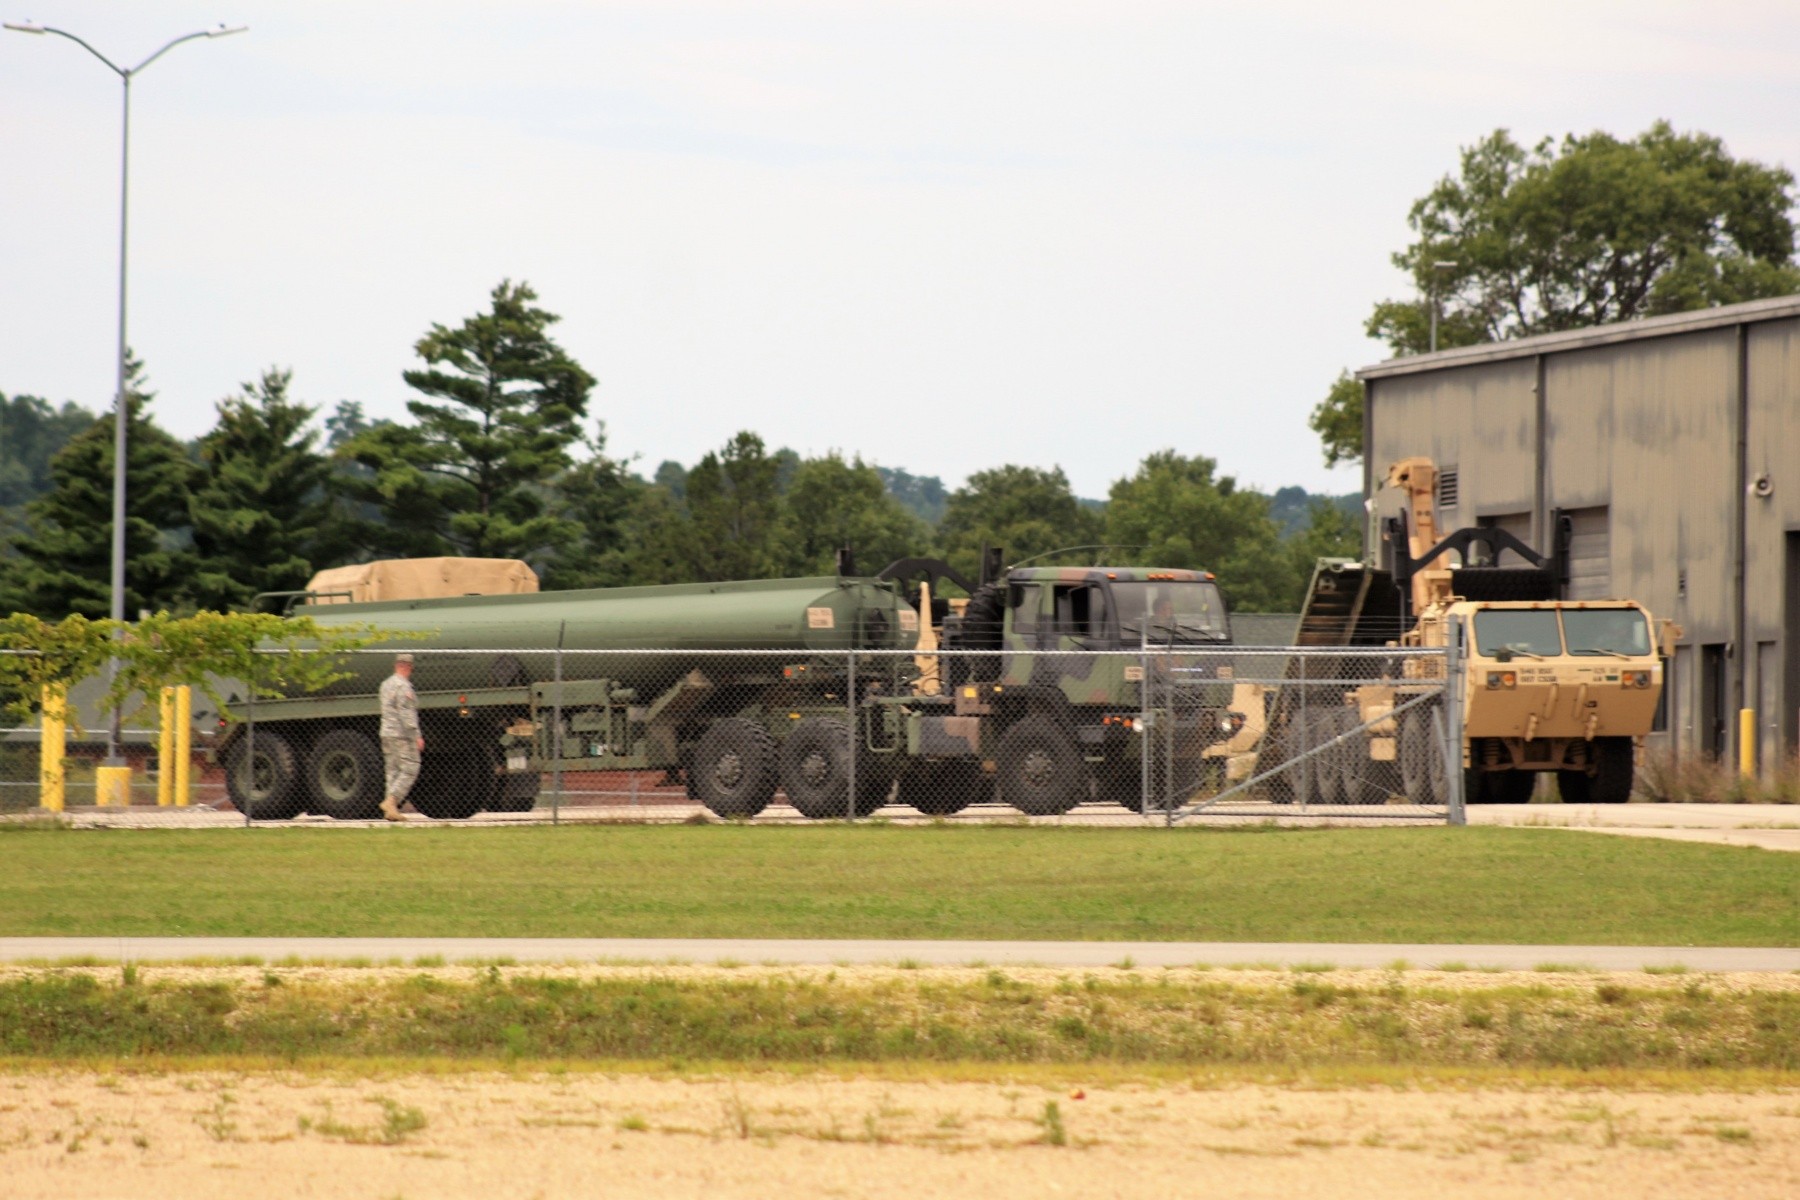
(1219, 650)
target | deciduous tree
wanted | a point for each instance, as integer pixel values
(1176, 512)
(1588, 231)
(1028, 510)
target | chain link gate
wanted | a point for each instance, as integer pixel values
(1280, 731)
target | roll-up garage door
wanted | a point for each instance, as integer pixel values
(1590, 554)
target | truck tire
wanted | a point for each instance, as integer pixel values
(815, 771)
(1040, 772)
(1614, 767)
(1421, 760)
(1362, 779)
(734, 772)
(1122, 781)
(516, 791)
(345, 776)
(269, 789)
(1276, 752)
(1327, 771)
(939, 789)
(452, 785)
(983, 623)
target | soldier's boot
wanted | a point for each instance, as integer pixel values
(390, 809)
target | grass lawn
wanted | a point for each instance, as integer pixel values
(1467, 885)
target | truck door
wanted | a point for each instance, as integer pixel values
(1024, 602)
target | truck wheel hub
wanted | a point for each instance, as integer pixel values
(815, 768)
(338, 776)
(1037, 769)
(728, 770)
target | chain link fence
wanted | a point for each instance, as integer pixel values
(1167, 734)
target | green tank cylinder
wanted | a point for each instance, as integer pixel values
(473, 642)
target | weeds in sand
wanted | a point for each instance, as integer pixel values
(398, 1122)
(1054, 1134)
(217, 1120)
(1303, 1020)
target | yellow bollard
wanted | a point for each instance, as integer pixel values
(184, 744)
(112, 787)
(51, 744)
(1747, 742)
(165, 748)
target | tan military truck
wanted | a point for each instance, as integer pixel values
(1564, 686)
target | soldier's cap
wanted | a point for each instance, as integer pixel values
(402, 658)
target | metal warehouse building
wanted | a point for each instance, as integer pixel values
(1672, 445)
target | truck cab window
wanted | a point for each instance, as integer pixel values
(1080, 610)
(1606, 631)
(1531, 632)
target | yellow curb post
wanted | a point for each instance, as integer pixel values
(112, 787)
(1747, 742)
(165, 748)
(184, 744)
(51, 745)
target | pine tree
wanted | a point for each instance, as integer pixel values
(258, 509)
(63, 563)
(470, 473)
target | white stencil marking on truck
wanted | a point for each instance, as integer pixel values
(820, 618)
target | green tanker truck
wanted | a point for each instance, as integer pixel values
(820, 688)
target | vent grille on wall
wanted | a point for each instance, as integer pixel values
(1446, 481)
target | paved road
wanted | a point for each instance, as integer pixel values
(935, 953)
(1769, 826)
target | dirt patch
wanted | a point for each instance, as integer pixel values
(499, 1136)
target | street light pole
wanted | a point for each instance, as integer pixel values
(1440, 265)
(120, 408)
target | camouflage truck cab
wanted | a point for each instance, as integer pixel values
(1045, 703)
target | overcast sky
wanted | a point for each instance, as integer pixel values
(942, 235)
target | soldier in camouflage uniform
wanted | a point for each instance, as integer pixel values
(401, 741)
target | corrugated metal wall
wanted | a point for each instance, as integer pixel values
(1641, 451)
(1771, 543)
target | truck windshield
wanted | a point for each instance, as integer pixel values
(1177, 611)
(1531, 631)
(1606, 631)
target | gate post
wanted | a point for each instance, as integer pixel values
(1452, 742)
(855, 733)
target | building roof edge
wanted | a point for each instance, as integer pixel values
(1773, 309)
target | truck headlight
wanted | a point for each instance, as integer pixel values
(1634, 679)
(1498, 680)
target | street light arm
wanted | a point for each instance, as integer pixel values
(121, 72)
(186, 37)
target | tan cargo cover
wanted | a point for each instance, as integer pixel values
(422, 579)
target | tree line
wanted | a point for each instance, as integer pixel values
(501, 457)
